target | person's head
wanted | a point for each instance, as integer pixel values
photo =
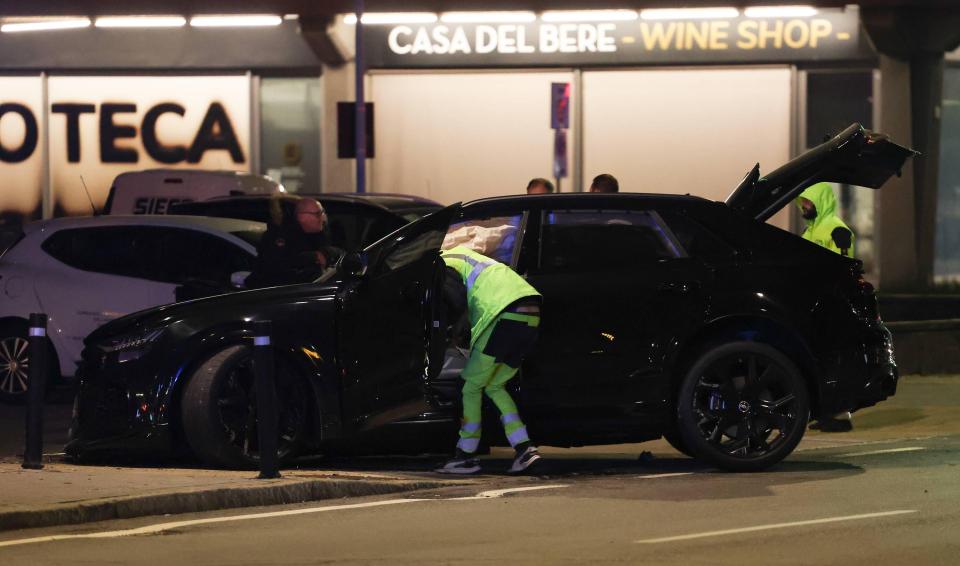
(605, 183)
(310, 215)
(539, 186)
(817, 200)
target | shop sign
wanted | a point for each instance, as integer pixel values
(829, 35)
(99, 127)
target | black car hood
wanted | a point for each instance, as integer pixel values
(855, 156)
(165, 315)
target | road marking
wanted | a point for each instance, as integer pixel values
(671, 475)
(776, 526)
(888, 451)
(161, 527)
(502, 492)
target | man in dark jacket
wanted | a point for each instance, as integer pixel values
(295, 248)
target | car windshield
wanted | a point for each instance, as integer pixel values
(251, 237)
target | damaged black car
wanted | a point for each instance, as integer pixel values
(663, 316)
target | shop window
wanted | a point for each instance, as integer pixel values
(946, 265)
(290, 132)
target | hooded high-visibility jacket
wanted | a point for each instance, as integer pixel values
(826, 229)
(491, 286)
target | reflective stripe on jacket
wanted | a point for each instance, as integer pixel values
(491, 286)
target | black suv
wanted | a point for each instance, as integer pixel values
(663, 316)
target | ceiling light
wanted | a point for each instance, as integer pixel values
(392, 18)
(44, 25)
(141, 22)
(245, 20)
(589, 16)
(780, 11)
(487, 17)
(689, 13)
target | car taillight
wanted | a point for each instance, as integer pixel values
(864, 300)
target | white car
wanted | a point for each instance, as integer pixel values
(83, 272)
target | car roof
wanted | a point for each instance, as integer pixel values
(166, 220)
(396, 203)
(586, 199)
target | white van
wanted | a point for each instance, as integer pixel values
(154, 190)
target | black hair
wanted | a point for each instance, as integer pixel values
(605, 183)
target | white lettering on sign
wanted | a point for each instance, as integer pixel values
(506, 39)
(393, 40)
(486, 39)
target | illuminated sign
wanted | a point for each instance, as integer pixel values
(831, 34)
(100, 127)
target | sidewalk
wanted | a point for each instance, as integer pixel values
(64, 493)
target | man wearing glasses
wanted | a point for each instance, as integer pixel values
(295, 248)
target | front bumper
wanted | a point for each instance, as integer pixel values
(120, 408)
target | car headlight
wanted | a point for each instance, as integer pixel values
(132, 346)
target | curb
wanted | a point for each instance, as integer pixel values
(277, 492)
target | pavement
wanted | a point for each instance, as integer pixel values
(925, 409)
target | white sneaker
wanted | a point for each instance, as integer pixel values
(461, 466)
(524, 460)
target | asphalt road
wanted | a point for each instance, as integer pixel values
(888, 493)
(878, 503)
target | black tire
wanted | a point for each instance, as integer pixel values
(742, 407)
(219, 409)
(15, 362)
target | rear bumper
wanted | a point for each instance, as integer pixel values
(862, 375)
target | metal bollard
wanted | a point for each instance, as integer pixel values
(267, 418)
(37, 387)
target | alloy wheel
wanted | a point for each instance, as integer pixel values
(14, 365)
(746, 406)
(236, 403)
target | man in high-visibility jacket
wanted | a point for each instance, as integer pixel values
(504, 318)
(819, 208)
(818, 205)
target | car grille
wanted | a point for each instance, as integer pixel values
(104, 408)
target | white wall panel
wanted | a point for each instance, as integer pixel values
(462, 136)
(679, 131)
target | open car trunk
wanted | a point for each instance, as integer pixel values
(855, 156)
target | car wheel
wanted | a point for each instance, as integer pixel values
(219, 410)
(743, 407)
(15, 362)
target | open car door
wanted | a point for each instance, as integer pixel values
(387, 323)
(855, 156)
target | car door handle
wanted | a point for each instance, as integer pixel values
(681, 287)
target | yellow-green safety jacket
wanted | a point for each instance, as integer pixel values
(820, 229)
(491, 286)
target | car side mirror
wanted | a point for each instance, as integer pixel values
(354, 264)
(238, 279)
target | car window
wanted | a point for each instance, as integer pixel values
(114, 250)
(494, 237)
(604, 240)
(353, 227)
(182, 255)
(695, 239)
